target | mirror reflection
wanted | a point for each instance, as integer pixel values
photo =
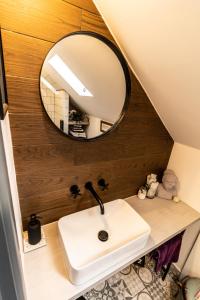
(84, 85)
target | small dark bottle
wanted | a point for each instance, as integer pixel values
(34, 230)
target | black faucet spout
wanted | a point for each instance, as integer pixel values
(90, 188)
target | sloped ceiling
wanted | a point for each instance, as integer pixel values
(161, 41)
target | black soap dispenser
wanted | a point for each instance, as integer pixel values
(34, 230)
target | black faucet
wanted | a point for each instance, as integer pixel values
(103, 184)
(90, 188)
(75, 191)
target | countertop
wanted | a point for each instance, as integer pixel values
(45, 273)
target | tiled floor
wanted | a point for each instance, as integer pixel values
(136, 283)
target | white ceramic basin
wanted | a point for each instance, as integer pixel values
(86, 255)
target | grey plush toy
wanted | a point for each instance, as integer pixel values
(169, 186)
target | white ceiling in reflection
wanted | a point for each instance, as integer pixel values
(97, 68)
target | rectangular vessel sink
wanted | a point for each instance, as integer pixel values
(86, 255)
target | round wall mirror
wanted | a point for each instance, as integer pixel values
(84, 85)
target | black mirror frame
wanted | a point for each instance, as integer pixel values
(3, 90)
(125, 68)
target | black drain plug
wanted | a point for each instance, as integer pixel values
(103, 235)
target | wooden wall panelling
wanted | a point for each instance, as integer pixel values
(92, 22)
(23, 93)
(43, 19)
(39, 127)
(86, 5)
(47, 162)
(53, 191)
(23, 54)
(51, 215)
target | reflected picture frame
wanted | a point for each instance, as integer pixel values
(3, 90)
(105, 126)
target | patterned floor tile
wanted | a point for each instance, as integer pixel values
(115, 278)
(170, 286)
(156, 290)
(132, 280)
(107, 293)
(144, 295)
(145, 275)
(136, 283)
(122, 291)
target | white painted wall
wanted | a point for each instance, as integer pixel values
(61, 109)
(93, 129)
(161, 40)
(185, 161)
(48, 98)
(8, 147)
(193, 264)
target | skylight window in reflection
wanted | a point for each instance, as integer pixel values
(66, 73)
(48, 85)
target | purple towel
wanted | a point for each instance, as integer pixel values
(168, 252)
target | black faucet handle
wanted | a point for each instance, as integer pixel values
(102, 184)
(75, 191)
(88, 185)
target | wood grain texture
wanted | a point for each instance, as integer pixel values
(53, 190)
(44, 19)
(23, 55)
(47, 162)
(92, 22)
(86, 5)
(23, 92)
